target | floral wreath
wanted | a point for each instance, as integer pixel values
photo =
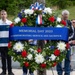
(27, 52)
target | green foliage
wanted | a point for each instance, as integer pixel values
(3, 4)
(60, 3)
(13, 7)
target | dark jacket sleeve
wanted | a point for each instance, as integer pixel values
(70, 30)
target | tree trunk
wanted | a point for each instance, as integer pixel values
(40, 1)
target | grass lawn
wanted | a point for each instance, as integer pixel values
(71, 10)
(11, 17)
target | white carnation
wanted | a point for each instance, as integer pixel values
(61, 46)
(39, 58)
(58, 26)
(35, 51)
(48, 10)
(18, 46)
(17, 20)
(52, 57)
(28, 11)
(31, 49)
(58, 19)
(29, 57)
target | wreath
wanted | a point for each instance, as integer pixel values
(27, 52)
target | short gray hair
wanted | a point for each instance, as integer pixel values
(65, 12)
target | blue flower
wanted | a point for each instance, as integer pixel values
(22, 11)
(52, 47)
(47, 57)
(20, 15)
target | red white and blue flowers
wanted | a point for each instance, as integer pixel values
(38, 14)
(37, 58)
(32, 56)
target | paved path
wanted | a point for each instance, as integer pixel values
(49, 72)
(18, 71)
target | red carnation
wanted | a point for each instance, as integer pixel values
(54, 64)
(11, 25)
(57, 52)
(43, 65)
(63, 22)
(52, 19)
(67, 45)
(24, 20)
(24, 53)
(39, 50)
(26, 64)
(9, 45)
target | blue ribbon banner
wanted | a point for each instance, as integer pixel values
(38, 33)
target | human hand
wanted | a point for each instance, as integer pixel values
(72, 42)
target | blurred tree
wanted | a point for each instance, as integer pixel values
(3, 4)
(14, 6)
(62, 4)
(40, 1)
